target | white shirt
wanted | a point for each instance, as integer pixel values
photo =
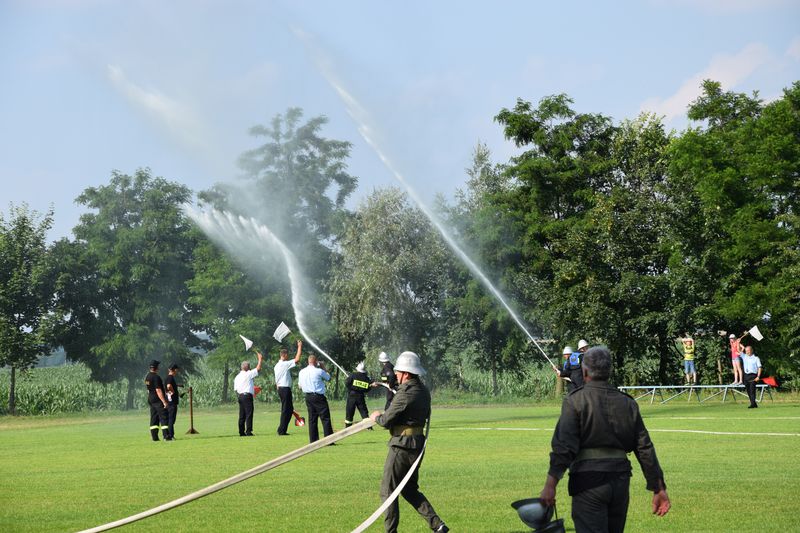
(312, 379)
(243, 382)
(283, 378)
(751, 364)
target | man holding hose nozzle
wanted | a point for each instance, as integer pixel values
(405, 419)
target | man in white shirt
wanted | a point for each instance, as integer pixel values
(245, 389)
(752, 374)
(283, 381)
(312, 382)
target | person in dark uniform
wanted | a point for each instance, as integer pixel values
(598, 427)
(357, 384)
(388, 378)
(572, 368)
(173, 397)
(157, 400)
(405, 419)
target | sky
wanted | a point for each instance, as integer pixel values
(91, 86)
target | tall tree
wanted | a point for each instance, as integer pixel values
(26, 290)
(122, 294)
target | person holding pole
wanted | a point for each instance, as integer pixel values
(245, 390)
(158, 402)
(173, 397)
(388, 378)
(312, 382)
(598, 427)
(283, 382)
(736, 359)
(405, 419)
(752, 374)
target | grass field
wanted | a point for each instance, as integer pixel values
(727, 469)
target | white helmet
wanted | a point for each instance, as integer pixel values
(731, 336)
(409, 362)
(567, 350)
(383, 358)
(360, 367)
(582, 344)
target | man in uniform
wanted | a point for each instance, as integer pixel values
(405, 419)
(312, 382)
(173, 397)
(598, 427)
(283, 381)
(572, 368)
(245, 390)
(357, 384)
(157, 400)
(387, 377)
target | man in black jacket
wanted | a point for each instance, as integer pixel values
(388, 378)
(598, 427)
(157, 400)
(358, 384)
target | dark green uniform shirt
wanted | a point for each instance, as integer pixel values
(599, 415)
(411, 407)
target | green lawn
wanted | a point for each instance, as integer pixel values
(75, 472)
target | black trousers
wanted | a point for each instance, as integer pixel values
(398, 462)
(245, 414)
(602, 509)
(355, 401)
(172, 415)
(389, 398)
(158, 419)
(287, 406)
(750, 387)
(318, 409)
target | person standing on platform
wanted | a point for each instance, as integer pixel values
(599, 426)
(388, 378)
(283, 381)
(245, 389)
(405, 420)
(173, 397)
(688, 361)
(158, 402)
(736, 358)
(752, 374)
(357, 384)
(312, 382)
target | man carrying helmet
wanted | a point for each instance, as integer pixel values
(405, 419)
(388, 378)
(599, 426)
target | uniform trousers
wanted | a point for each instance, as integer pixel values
(158, 419)
(602, 509)
(398, 462)
(287, 407)
(245, 414)
(355, 401)
(750, 386)
(172, 415)
(318, 409)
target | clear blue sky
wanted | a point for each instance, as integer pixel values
(89, 86)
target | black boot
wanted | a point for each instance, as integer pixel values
(154, 434)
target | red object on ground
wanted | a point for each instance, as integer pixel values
(769, 381)
(257, 389)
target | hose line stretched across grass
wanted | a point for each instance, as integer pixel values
(314, 446)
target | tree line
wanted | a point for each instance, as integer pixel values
(625, 234)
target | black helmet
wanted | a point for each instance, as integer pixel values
(537, 516)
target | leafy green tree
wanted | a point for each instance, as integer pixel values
(122, 293)
(386, 288)
(26, 290)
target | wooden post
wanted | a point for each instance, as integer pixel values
(559, 391)
(719, 370)
(191, 431)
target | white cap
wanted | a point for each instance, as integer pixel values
(383, 358)
(360, 367)
(409, 362)
(567, 350)
(731, 336)
(582, 344)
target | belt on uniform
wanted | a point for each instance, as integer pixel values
(601, 453)
(245, 394)
(405, 431)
